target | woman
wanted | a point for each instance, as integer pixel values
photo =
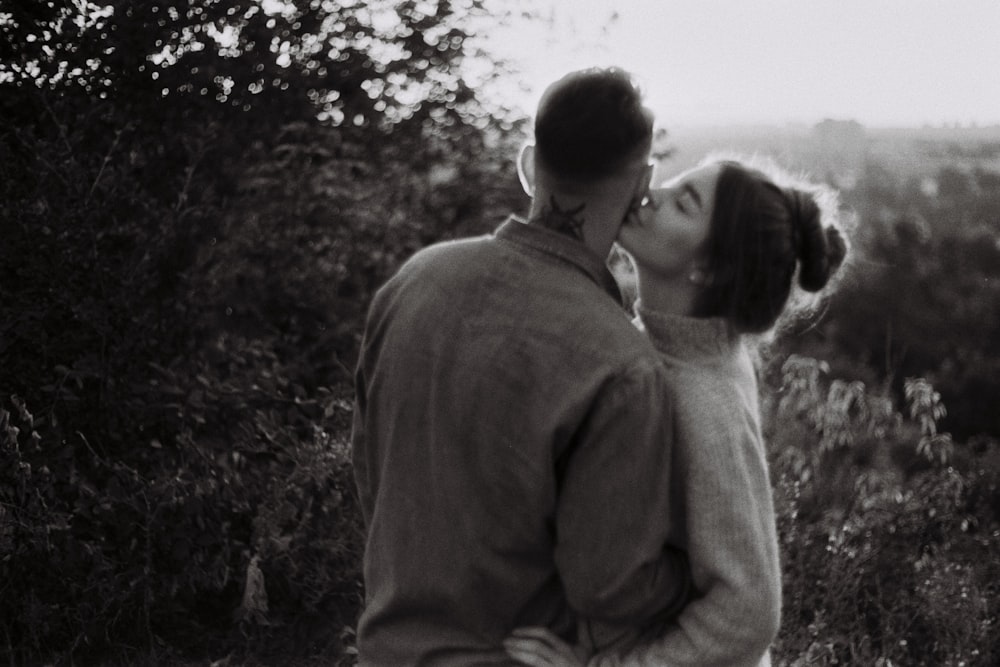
(717, 252)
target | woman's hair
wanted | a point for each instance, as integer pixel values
(768, 232)
(591, 123)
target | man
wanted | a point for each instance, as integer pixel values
(512, 428)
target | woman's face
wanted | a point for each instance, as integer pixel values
(667, 236)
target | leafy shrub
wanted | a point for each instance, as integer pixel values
(96, 556)
(183, 282)
(880, 566)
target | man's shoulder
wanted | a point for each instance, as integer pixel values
(436, 258)
(451, 248)
(602, 344)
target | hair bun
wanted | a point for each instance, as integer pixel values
(820, 251)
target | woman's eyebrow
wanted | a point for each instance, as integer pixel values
(689, 189)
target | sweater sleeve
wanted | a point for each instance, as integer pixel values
(730, 535)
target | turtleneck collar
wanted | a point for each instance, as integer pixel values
(683, 336)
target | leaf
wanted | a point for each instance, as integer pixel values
(253, 606)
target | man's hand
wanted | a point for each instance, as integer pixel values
(537, 647)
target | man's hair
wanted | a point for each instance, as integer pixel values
(591, 124)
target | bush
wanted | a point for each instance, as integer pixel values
(181, 303)
(97, 556)
(881, 565)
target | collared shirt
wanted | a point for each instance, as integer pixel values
(512, 442)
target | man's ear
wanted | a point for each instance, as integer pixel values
(526, 169)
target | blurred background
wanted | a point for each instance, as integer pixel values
(198, 199)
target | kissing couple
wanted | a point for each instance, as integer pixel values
(550, 479)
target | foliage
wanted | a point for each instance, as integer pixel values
(887, 523)
(97, 556)
(927, 409)
(360, 63)
(922, 294)
(880, 567)
(197, 201)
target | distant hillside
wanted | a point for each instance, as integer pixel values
(838, 150)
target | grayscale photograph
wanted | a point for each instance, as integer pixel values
(511, 333)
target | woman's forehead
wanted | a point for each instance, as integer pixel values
(701, 178)
(703, 172)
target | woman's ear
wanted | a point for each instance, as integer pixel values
(526, 169)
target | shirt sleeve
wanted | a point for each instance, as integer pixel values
(732, 544)
(359, 450)
(611, 557)
(362, 456)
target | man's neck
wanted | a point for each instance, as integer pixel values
(588, 221)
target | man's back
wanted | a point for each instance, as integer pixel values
(501, 392)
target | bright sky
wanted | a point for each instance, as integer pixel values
(880, 62)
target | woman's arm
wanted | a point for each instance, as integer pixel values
(538, 647)
(730, 536)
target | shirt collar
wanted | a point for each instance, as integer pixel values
(516, 230)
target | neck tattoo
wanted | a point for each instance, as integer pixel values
(565, 221)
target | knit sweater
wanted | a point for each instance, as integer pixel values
(724, 514)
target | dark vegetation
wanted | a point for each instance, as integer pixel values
(197, 200)
(187, 253)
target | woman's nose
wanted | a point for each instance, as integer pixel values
(660, 193)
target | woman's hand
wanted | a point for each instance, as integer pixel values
(537, 647)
